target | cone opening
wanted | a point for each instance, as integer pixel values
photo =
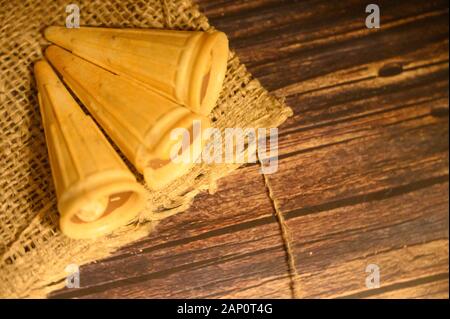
(213, 71)
(106, 209)
(159, 173)
(185, 147)
(205, 85)
(101, 207)
(157, 163)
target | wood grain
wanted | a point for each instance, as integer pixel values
(434, 287)
(404, 235)
(363, 166)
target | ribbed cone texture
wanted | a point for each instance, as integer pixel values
(186, 66)
(86, 169)
(138, 120)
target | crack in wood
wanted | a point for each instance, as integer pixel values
(285, 237)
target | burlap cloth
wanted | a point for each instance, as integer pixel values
(33, 251)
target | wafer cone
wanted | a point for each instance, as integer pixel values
(185, 66)
(138, 120)
(96, 191)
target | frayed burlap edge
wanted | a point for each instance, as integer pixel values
(33, 252)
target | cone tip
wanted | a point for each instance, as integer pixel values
(51, 32)
(49, 49)
(40, 64)
(44, 72)
(52, 51)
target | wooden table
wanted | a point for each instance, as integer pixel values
(362, 182)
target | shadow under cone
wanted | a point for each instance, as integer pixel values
(96, 191)
(187, 67)
(138, 120)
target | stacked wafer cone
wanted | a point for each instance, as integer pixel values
(140, 86)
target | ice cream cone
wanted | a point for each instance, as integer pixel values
(188, 67)
(96, 191)
(138, 120)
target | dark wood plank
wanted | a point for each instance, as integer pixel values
(376, 156)
(222, 267)
(267, 31)
(323, 56)
(405, 235)
(359, 91)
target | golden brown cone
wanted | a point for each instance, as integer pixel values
(187, 67)
(96, 191)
